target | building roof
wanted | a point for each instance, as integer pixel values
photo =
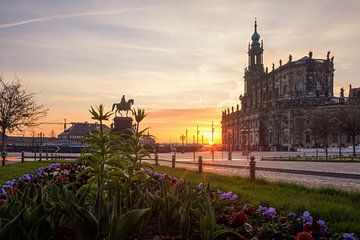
(81, 129)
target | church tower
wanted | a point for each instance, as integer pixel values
(255, 51)
(253, 73)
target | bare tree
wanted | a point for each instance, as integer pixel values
(349, 123)
(322, 127)
(17, 110)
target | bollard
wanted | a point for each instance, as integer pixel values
(230, 155)
(3, 156)
(212, 153)
(40, 156)
(252, 164)
(22, 157)
(35, 156)
(173, 161)
(200, 164)
(156, 159)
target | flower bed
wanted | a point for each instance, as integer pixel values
(46, 205)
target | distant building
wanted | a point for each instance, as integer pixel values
(78, 131)
(277, 105)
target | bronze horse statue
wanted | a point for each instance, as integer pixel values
(123, 106)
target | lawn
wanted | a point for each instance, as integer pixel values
(340, 209)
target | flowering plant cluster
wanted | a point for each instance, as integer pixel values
(178, 207)
(262, 222)
(266, 223)
(55, 173)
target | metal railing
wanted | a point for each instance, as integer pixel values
(47, 157)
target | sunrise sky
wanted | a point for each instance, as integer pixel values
(182, 60)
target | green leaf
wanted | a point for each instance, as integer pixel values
(5, 230)
(225, 234)
(128, 222)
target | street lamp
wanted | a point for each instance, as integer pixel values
(182, 138)
(197, 136)
(212, 141)
(194, 149)
(40, 136)
(229, 148)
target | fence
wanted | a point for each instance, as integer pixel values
(252, 168)
(47, 157)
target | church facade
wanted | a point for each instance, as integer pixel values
(275, 110)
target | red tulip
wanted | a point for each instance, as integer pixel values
(304, 236)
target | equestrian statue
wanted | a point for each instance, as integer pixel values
(123, 106)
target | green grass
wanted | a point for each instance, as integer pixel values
(340, 209)
(15, 170)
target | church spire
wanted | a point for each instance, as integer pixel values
(255, 50)
(256, 36)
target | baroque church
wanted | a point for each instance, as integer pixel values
(276, 107)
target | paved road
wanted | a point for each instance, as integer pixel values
(314, 181)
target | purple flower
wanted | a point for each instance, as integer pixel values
(200, 187)
(227, 195)
(262, 208)
(2, 192)
(9, 185)
(6, 187)
(11, 182)
(26, 177)
(349, 236)
(307, 218)
(322, 225)
(148, 171)
(55, 165)
(40, 171)
(292, 215)
(270, 212)
(160, 175)
(245, 206)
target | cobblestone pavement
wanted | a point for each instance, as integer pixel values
(313, 181)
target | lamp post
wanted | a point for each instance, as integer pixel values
(197, 136)
(212, 141)
(182, 138)
(194, 149)
(229, 148)
(41, 136)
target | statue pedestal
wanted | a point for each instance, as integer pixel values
(122, 124)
